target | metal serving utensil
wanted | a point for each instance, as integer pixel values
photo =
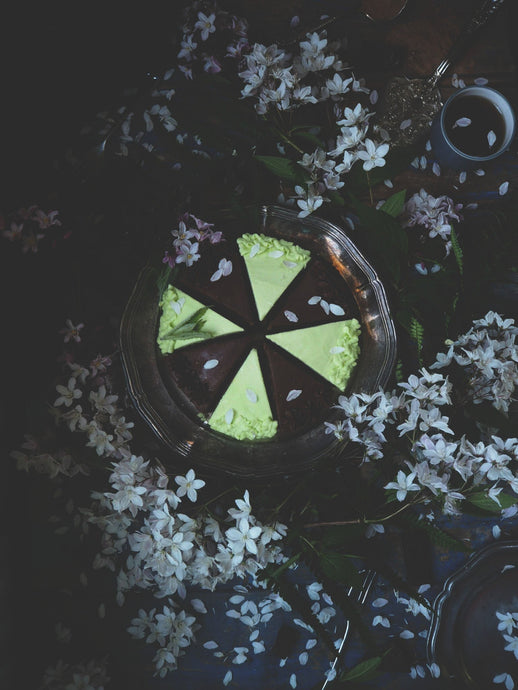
(416, 101)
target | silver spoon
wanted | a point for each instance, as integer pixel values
(416, 101)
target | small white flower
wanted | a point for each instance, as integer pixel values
(189, 485)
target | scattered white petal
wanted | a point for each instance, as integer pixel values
(198, 605)
(302, 624)
(211, 363)
(406, 635)
(254, 635)
(216, 275)
(415, 163)
(210, 644)
(405, 124)
(491, 138)
(294, 21)
(462, 177)
(428, 145)
(373, 97)
(289, 264)
(507, 567)
(276, 254)
(480, 172)
(232, 613)
(381, 620)
(378, 603)
(423, 162)
(506, 679)
(503, 188)
(227, 678)
(293, 394)
(310, 644)
(314, 300)
(291, 316)
(254, 250)
(336, 350)
(336, 310)
(236, 599)
(325, 306)
(480, 81)
(462, 122)
(258, 647)
(496, 531)
(229, 416)
(303, 658)
(436, 169)
(293, 680)
(423, 588)
(434, 669)
(251, 395)
(331, 674)
(388, 183)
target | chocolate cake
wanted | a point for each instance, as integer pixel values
(265, 350)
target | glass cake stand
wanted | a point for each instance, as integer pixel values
(190, 439)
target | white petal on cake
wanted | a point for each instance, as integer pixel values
(266, 256)
(331, 349)
(247, 397)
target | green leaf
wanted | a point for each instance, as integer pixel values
(385, 238)
(394, 204)
(363, 670)
(417, 334)
(283, 168)
(481, 500)
(163, 279)
(340, 568)
(308, 136)
(191, 327)
(457, 250)
(436, 534)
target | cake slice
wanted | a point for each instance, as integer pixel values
(244, 410)
(301, 397)
(318, 295)
(331, 349)
(272, 264)
(184, 320)
(201, 372)
(220, 278)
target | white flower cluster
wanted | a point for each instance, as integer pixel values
(170, 550)
(435, 214)
(412, 426)
(283, 81)
(86, 404)
(489, 355)
(91, 675)
(327, 168)
(508, 627)
(206, 26)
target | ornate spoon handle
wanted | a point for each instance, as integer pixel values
(479, 19)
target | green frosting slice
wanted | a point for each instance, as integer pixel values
(184, 320)
(271, 264)
(331, 349)
(244, 410)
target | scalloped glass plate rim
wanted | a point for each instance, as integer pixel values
(190, 441)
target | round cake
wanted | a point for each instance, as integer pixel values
(258, 338)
